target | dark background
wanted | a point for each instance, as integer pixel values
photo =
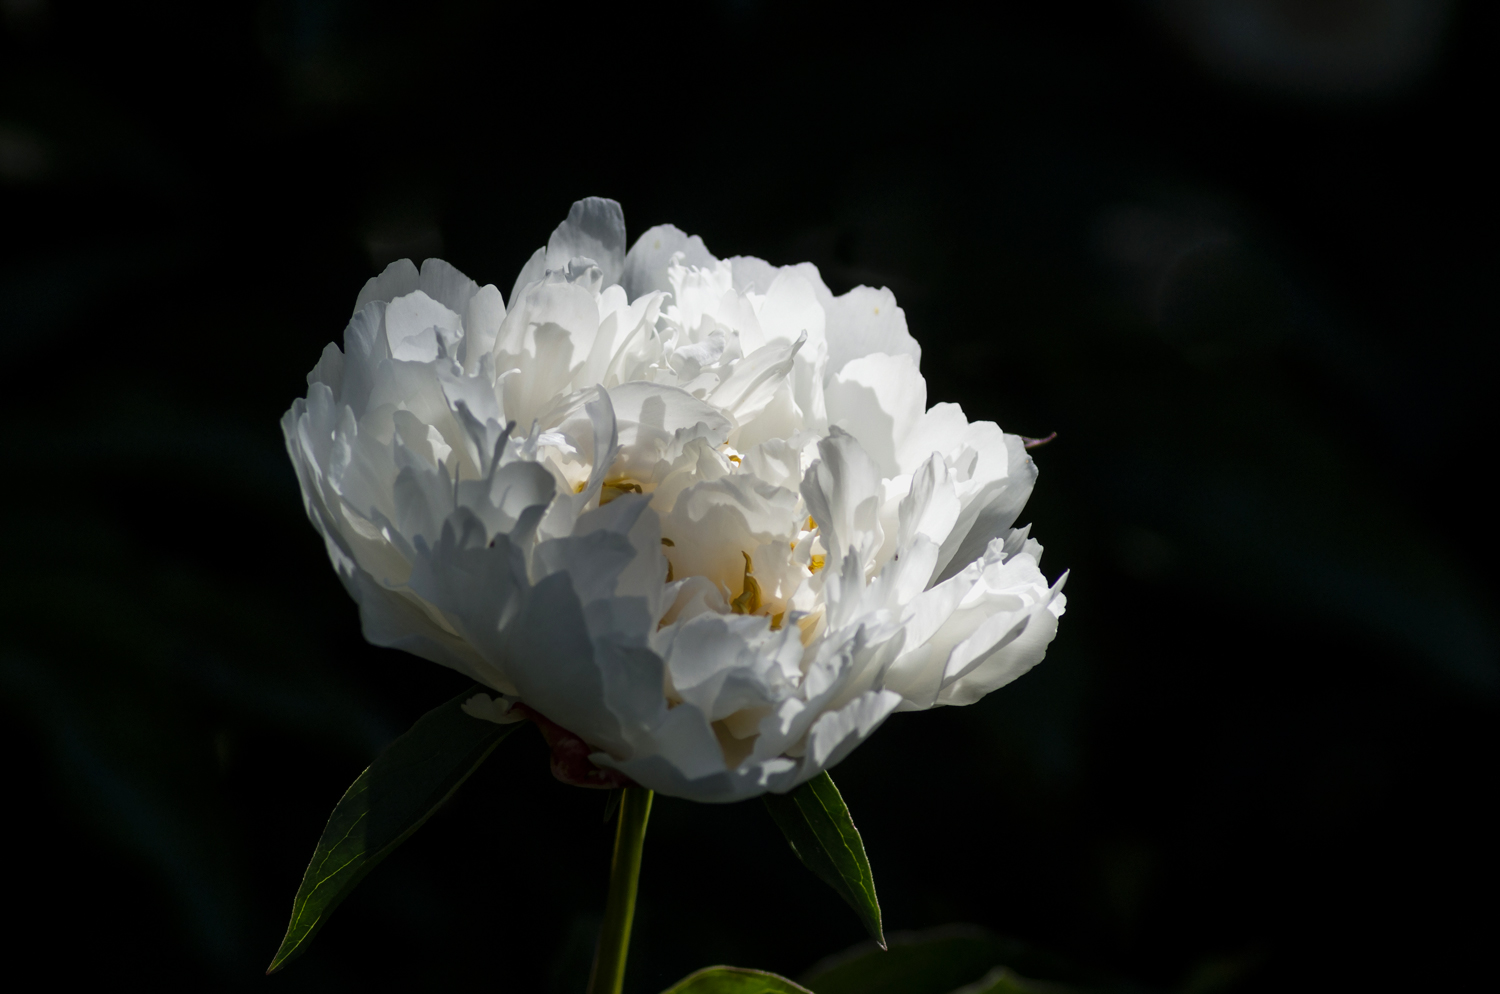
(1239, 254)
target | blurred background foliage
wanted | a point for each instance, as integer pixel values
(1239, 254)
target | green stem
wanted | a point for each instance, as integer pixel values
(608, 975)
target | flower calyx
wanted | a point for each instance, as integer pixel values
(570, 755)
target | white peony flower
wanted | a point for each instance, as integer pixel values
(696, 512)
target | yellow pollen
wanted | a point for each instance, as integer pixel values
(748, 602)
(578, 489)
(818, 562)
(811, 524)
(776, 620)
(735, 460)
(615, 488)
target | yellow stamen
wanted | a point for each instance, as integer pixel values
(734, 459)
(669, 543)
(614, 489)
(776, 620)
(748, 602)
(818, 562)
(811, 524)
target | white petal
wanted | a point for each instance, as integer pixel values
(939, 430)
(330, 369)
(877, 398)
(842, 490)
(415, 322)
(991, 507)
(776, 461)
(533, 272)
(656, 421)
(396, 280)
(724, 664)
(364, 348)
(500, 710)
(645, 268)
(865, 321)
(446, 285)
(550, 659)
(755, 380)
(835, 734)
(396, 620)
(594, 229)
(1011, 659)
(715, 522)
(482, 317)
(790, 310)
(752, 275)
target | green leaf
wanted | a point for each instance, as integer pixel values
(953, 959)
(734, 980)
(816, 823)
(392, 799)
